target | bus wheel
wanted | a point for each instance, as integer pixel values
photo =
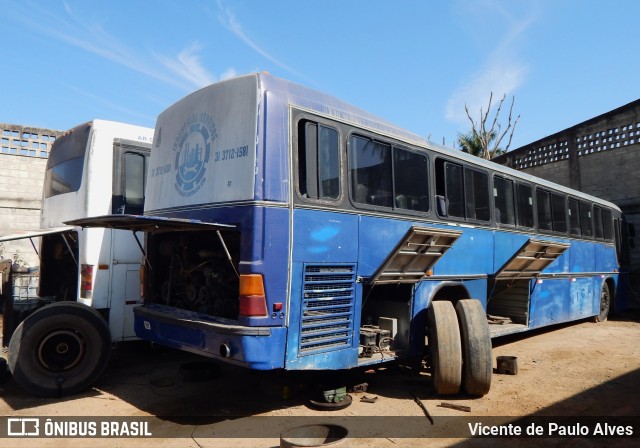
(605, 304)
(60, 349)
(444, 344)
(477, 362)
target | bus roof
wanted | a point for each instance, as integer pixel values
(331, 107)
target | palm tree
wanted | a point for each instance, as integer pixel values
(472, 143)
(483, 142)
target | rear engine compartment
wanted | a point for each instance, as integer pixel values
(191, 270)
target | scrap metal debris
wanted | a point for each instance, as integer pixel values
(498, 320)
(362, 387)
(423, 407)
(457, 407)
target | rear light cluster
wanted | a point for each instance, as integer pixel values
(253, 301)
(86, 281)
(143, 282)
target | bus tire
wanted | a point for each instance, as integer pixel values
(444, 344)
(605, 303)
(477, 361)
(60, 349)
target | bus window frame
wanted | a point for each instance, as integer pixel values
(298, 119)
(598, 227)
(563, 208)
(533, 207)
(393, 145)
(346, 201)
(71, 156)
(589, 204)
(551, 193)
(500, 224)
(606, 217)
(121, 148)
(578, 232)
(428, 195)
(607, 211)
(465, 167)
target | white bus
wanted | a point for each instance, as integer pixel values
(89, 281)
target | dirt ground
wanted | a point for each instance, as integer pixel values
(578, 370)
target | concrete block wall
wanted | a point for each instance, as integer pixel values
(612, 175)
(23, 158)
(21, 181)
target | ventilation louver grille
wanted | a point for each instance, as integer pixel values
(327, 309)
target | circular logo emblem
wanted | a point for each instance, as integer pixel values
(192, 157)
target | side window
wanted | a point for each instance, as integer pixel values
(411, 180)
(586, 221)
(476, 186)
(370, 164)
(388, 176)
(462, 192)
(454, 190)
(574, 217)
(134, 181)
(597, 222)
(603, 224)
(318, 161)
(559, 213)
(552, 211)
(503, 197)
(607, 224)
(524, 203)
(543, 199)
(129, 177)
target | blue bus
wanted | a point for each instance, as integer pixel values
(286, 229)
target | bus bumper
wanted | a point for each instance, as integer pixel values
(260, 348)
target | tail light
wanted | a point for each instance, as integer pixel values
(253, 301)
(86, 281)
(143, 282)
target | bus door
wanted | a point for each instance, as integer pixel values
(124, 282)
(129, 173)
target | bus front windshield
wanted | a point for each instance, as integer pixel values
(66, 161)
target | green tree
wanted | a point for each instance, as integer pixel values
(483, 141)
(473, 144)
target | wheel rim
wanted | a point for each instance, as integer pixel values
(61, 350)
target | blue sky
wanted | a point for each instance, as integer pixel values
(415, 63)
